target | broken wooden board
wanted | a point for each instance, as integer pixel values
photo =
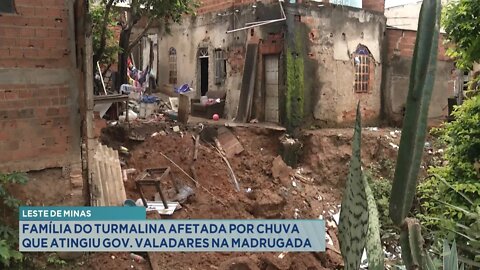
(183, 108)
(256, 125)
(248, 84)
(229, 142)
(107, 184)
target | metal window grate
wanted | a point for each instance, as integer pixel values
(220, 67)
(362, 73)
(172, 62)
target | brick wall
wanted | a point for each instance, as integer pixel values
(402, 43)
(34, 121)
(35, 37)
(39, 118)
(374, 5)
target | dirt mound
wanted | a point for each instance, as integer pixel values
(268, 187)
(328, 151)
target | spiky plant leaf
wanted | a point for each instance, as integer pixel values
(354, 212)
(374, 244)
(429, 265)
(422, 78)
(450, 256)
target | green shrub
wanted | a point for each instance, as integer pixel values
(9, 235)
(443, 197)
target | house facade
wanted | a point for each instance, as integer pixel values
(341, 47)
(401, 31)
(349, 54)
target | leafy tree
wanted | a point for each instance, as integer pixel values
(461, 20)
(105, 45)
(153, 11)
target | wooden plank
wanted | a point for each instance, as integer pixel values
(119, 187)
(99, 176)
(113, 181)
(256, 125)
(229, 142)
(248, 84)
(183, 108)
(221, 152)
(97, 187)
(104, 172)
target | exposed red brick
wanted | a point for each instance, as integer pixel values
(402, 43)
(374, 5)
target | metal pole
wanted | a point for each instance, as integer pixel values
(101, 78)
(260, 23)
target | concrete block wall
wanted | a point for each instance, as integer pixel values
(39, 90)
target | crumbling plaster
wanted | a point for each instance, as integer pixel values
(209, 30)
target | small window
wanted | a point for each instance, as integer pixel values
(172, 62)
(7, 6)
(364, 66)
(220, 67)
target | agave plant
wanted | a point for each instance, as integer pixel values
(357, 216)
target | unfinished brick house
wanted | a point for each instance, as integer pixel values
(401, 33)
(41, 88)
(345, 50)
(212, 56)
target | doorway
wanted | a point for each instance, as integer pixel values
(203, 61)
(271, 89)
(204, 75)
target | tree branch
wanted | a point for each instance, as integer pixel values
(103, 42)
(139, 37)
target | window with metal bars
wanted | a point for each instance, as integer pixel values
(363, 70)
(220, 66)
(7, 6)
(172, 62)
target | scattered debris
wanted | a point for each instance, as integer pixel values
(230, 170)
(176, 129)
(328, 240)
(184, 193)
(229, 142)
(137, 258)
(372, 128)
(281, 171)
(195, 181)
(136, 137)
(163, 208)
(290, 150)
(394, 146)
(296, 215)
